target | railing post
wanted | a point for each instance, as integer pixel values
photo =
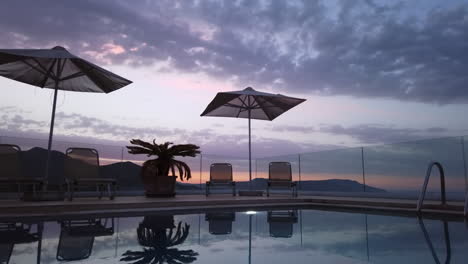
(299, 165)
(465, 211)
(363, 169)
(464, 164)
(256, 176)
(201, 164)
(121, 161)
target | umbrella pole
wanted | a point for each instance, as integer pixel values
(51, 132)
(250, 157)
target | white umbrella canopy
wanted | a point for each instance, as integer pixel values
(250, 104)
(58, 69)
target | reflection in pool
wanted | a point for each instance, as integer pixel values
(160, 238)
(280, 236)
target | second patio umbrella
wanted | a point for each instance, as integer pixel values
(250, 104)
(58, 69)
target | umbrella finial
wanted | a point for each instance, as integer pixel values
(58, 48)
(249, 89)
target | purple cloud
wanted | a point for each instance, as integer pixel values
(358, 48)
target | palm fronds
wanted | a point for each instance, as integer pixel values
(165, 162)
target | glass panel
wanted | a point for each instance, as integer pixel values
(34, 155)
(400, 169)
(465, 161)
(335, 171)
(193, 185)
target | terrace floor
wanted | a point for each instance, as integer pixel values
(139, 205)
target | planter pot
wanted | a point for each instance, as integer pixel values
(162, 186)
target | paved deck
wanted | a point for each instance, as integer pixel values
(191, 203)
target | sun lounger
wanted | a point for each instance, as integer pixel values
(221, 175)
(220, 223)
(82, 170)
(77, 237)
(281, 223)
(11, 178)
(280, 175)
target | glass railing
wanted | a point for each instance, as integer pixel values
(332, 171)
(400, 168)
(392, 170)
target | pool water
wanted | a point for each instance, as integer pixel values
(280, 236)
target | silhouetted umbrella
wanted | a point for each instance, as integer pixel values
(250, 104)
(58, 69)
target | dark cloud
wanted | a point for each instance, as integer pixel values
(368, 133)
(377, 134)
(360, 48)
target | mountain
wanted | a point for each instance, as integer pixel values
(33, 164)
(332, 185)
(128, 175)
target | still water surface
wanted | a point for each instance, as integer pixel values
(284, 236)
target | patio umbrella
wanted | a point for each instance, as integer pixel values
(58, 69)
(250, 104)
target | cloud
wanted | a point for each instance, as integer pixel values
(367, 133)
(77, 128)
(359, 48)
(299, 129)
(81, 124)
(377, 134)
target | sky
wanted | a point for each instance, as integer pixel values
(373, 72)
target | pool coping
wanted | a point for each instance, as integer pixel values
(139, 205)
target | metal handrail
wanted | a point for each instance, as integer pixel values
(426, 181)
(465, 211)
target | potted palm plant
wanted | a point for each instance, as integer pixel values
(155, 172)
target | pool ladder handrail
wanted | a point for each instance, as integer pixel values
(426, 181)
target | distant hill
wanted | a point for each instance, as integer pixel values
(128, 175)
(332, 185)
(34, 160)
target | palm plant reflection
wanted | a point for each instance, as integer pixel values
(159, 236)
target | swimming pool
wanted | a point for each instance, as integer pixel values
(294, 235)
